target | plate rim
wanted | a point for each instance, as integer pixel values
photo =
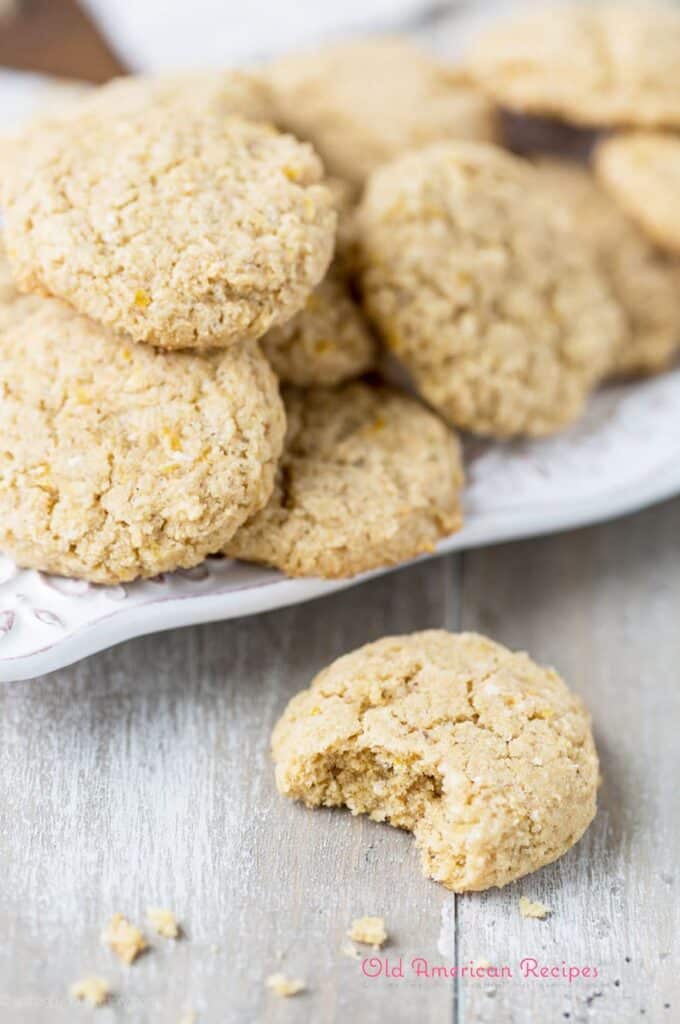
(162, 613)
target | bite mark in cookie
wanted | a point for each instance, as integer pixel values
(484, 755)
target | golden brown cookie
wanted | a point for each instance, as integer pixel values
(118, 461)
(226, 91)
(327, 342)
(14, 305)
(368, 478)
(223, 92)
(592, 64)
(641, 171)
(49, 98)
(362, 103)
(182, 228)
(478, 283)
(645, 280)
(484, 755)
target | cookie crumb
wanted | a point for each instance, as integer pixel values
(92, 990)
(189, 1017)
(214, 949)
(350, 950)
(126, 940)
(283, 986)
(164, 922)
(528, 908)
(368, 930)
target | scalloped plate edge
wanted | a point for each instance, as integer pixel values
(166, 613)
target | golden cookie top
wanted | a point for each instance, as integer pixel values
(177, 227)
(593, 64)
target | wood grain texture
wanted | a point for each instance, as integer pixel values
(58, 38)
(143, 777)
(603, 606)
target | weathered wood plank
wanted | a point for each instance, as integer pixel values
(142, 776)
(603, 606)
(58, 38)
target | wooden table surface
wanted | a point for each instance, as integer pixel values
(142, 777)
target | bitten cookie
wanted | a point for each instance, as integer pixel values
(484, 755)
(118, 461)
(478, 283)
(368, 478)
(591, 64)
(641, 171)
(362, 103)
(645, 280)
(182, 228)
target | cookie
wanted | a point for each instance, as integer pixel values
(225, 92)
(118, 461)
(181, 228)
(327, 342)
(641, 171)
(477, 282)
(330, 340)
(594, 65)
(368, 478)
(362, 103)
(49, 97)
(484, 755)
(645, 280)
(14, 305)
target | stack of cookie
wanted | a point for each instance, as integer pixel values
(154, 233)
(170, 240)
(155, 241)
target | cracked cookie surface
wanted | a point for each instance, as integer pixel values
(179, 227)
(641, 171)
(479, 284)
(645, 280)
(362, 103)
(368, 478)
(118, 461)
(592, 64)
(487, 757)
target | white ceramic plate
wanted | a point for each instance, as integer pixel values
(623, 455)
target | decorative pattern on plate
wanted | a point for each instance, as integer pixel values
(623, 455)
